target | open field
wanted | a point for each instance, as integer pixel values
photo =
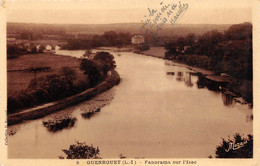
(18, 79)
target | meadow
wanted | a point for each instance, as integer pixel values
(19, 77)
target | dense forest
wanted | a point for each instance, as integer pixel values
(224, 52)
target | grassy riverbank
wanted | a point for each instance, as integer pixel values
(44, 78)
(45, 109)
(19, 76)
(35, 79)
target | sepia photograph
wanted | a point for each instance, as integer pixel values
(154, 82)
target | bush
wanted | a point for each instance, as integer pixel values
(106, 59)
(195, 60)
(69, 75)
(15, 50)
(92, 71)
(96, 69)
(12, 51)
(81, 151)
(237, 148)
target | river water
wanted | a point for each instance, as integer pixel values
(157, 111)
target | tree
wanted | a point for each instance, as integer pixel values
(12, 51)
(124, 38)
(106, 59)
(239, 32)
(38, 69)
(111, 37)
(91, 69)
(81, 151)
(190, 39)
(181, 41)
(41, 48)
(33, 48)
(69, 74)
(237, 148)
(74, 44)
(215, 37)
(172, 50)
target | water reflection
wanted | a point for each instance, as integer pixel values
(59, 124)
(179, 76)
(203, 82)
(209, 84)
(188, 81)
(228, 99)
(170, 73)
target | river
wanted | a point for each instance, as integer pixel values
(157, 111)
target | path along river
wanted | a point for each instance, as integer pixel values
(150, 114)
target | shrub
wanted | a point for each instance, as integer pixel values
(81, 151)
(96, 69)
(92, 71)
(12, 51)
(69, 74)
(15, 50)
(38, 69)
(237, 148)
(106, 59)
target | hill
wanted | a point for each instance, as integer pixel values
(98, 29)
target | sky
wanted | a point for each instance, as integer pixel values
(124, 11)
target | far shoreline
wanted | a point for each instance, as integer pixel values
(226, 81)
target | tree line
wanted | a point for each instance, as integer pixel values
(109, 38)
(15, 50)
(228, 52)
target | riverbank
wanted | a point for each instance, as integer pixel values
(240, 90)
(128, 48)
(40, 111)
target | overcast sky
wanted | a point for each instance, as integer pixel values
(124, 11)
